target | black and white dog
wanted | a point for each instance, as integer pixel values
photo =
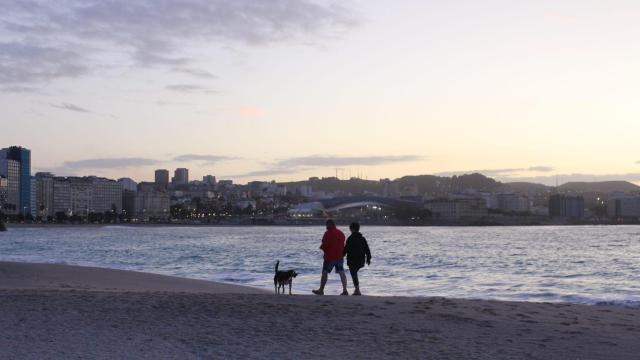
(283, 278)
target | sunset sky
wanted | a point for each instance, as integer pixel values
(287, 89)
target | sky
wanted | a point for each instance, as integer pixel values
(287, 89)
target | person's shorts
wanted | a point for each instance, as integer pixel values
(327, 266)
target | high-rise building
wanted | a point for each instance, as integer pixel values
(162, 178)
(209, 180)
(4, 192)
(10, 170)
(23, 157)
(62, 196)
(181, 176)
(44, 195)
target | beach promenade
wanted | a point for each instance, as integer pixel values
(61, 312)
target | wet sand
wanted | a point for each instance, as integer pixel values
(58, 311)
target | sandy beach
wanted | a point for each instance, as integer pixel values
(61, 312)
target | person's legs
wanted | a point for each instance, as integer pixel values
(343, 277)
(326, 269)
(354, 277)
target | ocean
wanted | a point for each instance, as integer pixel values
(576, 264)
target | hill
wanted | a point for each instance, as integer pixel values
(599, 187)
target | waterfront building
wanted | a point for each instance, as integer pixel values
(162, 178)
(61, 196)
(44, 195)
(623, 206)
(33, 197)
(151, 204)
(10, 170)
(465, 209)
(566, 206)
(181, 177)
(23, 157)
(511, 203)
(106, 195)
(4, 192)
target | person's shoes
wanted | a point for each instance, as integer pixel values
(357, 293)
(345, 293)
(317, 292)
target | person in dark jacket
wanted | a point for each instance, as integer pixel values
(357, 252)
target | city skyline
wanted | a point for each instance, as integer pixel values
(517, 91)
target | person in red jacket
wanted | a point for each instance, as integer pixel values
(333, 248)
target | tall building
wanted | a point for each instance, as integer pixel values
(209, 180)
(34, 197)
(4, 192)
(10, 170)
(44, 195)
(62, 196)
(565, 206)
(181, 176)
(23, 157)
(106, 195)
(162, 178)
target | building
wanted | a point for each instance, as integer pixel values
(209, 180)
(4, 192)
(44, 195)
(457, 209)
(510, 203)
(181, 177)
(10, 170)
(623, 206)
(23, 157)
(34, 197)
(106, 195)
(566, 206)
(61, 196)
(162, 178)
(82, 196)
(151, 204)
(129, 184)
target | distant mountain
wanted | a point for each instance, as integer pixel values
(599, 187)
(441, 186)
(528, 188)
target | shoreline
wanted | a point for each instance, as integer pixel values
(62, 311)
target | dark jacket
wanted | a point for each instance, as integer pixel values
(357, 251)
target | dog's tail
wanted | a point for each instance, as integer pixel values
(277, 264)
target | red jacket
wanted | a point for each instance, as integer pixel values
(333, 244)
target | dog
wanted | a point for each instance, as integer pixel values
(282, 278)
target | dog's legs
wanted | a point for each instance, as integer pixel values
(289, 287)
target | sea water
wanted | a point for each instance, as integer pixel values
(579, 264)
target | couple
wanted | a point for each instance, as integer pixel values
(334, 248)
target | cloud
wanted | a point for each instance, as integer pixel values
(43, 41)
(322, 161)
(500, 172)
(70, 107)
(267, 172)
(189, 88)
(210, 159)
(541, 168)
(109, 163)
(22, 64)
(299, 164)
(199, 73)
